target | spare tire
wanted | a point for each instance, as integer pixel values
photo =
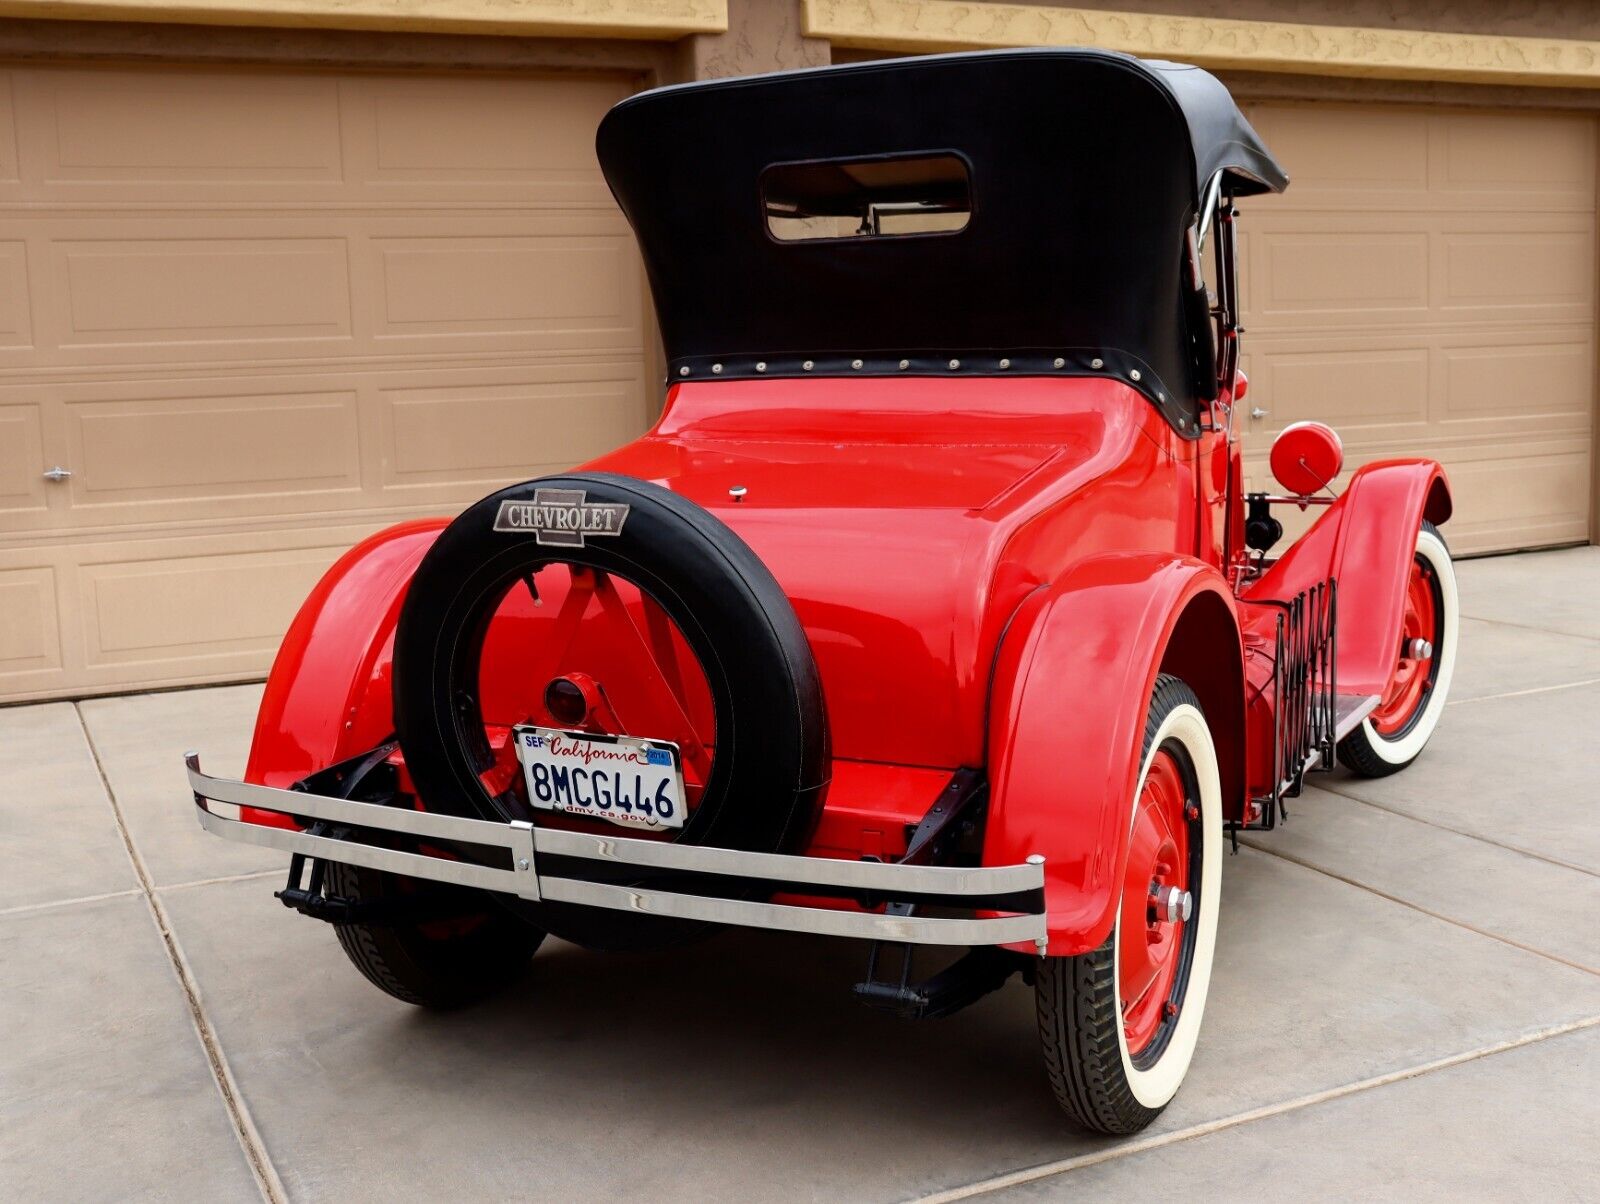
(768, 760)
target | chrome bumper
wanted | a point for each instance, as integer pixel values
(1020, 888)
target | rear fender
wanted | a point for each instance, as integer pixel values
(1365, 541)
(327, 697)
(1072, 685)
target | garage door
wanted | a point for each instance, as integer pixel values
(259, 315)
(1427, 286)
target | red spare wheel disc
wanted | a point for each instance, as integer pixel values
(1306, 457)
(664, 626)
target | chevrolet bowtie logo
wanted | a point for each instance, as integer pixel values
(560, 517)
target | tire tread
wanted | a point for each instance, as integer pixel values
(433, 973)
(1076, 1002)
(1355, 751)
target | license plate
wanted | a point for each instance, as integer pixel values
(624, 779)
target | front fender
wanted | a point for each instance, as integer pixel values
(328, 695)
(1072, 685)
(1365, 541)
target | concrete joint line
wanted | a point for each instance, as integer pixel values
(244, 1128)
(1566, 685)
(1569, 635)
(1417, 907)
(225, 878)
(1478, 836)
(1049, 1170)
(30, 908)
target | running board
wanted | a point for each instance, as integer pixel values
(1348, 712)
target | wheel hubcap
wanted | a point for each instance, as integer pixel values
(1156, 903)
(1413, 674)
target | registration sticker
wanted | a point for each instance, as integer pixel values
(625, 780)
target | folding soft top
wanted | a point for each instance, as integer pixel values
(1017, 208)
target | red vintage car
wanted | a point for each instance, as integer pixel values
(933, 611)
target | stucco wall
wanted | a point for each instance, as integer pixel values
(1520, 18)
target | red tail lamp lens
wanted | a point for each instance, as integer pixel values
(564, 699)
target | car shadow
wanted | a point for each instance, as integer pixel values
(760, 1030)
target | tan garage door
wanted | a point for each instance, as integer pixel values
(1427, 286)
(258, 315)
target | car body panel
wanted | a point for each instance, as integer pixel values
(991, 573)
(1365, 541)
(1067, 723)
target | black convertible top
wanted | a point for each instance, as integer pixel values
(1076, 171)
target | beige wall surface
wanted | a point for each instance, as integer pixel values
(1427, 286)
(1515, 18)
(1552, 58)
(257, 314)
(645, 19)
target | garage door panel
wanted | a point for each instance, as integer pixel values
(1534, 275)
(205, 447)
(145, 612)
(1445, 391)
(22, 483)
(30, 643)
(1371, 388)
(1338, 164)
(212, 289)
(157, 297)
(9, 159)
(1490, 158)
(170, 135)
(261, 314)
(492, 435)
(1517, 501)
(16, 318)
(1317, 276)
(1520, 381)
(1437, 300)
(414, 139)
(553, 293)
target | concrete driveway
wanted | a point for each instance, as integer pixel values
(1406, 1003)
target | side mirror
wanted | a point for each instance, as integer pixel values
(1241, 385)
(1306, 457)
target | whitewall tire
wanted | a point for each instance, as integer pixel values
(1395, 733)
(1118, 1025)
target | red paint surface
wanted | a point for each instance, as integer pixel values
(990, 571)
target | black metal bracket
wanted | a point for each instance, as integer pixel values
(423, 905)
(946, 834)
(956, 814)
(1304, 692)
(368, 777)
(963, 982)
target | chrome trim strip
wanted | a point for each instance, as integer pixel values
(819, 921)
(524, 842)
(524, 883)
(340, 810)
(621, 850)
(822, 871)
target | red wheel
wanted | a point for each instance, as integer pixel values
(1118, 1025)
(1156, 902)
(598, 653)
(658, 625)
(1419, 636)
(1392, 736)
